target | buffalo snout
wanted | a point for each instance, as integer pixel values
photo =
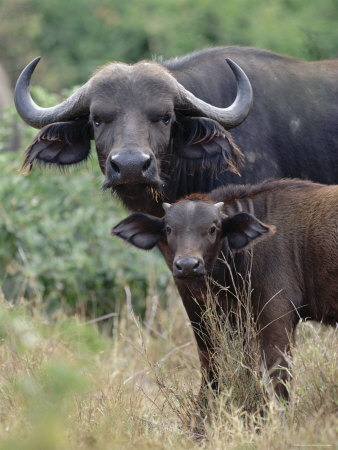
(131, 167)
(188, 266)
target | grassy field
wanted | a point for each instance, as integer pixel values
(67, 384)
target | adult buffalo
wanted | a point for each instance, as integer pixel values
(160, 127)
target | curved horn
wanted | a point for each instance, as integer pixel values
(219, 206)
(166, 207)
(235, 113)
(37, 117)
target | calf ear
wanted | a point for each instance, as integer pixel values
(61, 143)
(243, 229)
(141, 230)
(203, 138)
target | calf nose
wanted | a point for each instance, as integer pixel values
(134, 167)
(188, 266)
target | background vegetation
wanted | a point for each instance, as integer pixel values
(65, 384)
(60, 223)
(74, 37)
(56, 246)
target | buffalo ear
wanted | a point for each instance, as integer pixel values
(61, 143)
(243, 228)
(205, 139)
(141, 230)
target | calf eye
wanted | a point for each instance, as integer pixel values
(166, 119)
(212, 230)
(97, 122)
(168, 230)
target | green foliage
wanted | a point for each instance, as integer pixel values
(75, 37)
(14, 134)
(54, 230)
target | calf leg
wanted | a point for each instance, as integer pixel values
(277, 320)
(196, 312)
(209, 375)
(275, 346)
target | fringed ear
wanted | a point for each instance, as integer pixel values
(61, 143)
(243, 229)
(141, 230)
(207, 143)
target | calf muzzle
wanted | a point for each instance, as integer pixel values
(188, 266)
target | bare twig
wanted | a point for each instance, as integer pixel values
(99, 319)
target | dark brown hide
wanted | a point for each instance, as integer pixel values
(294, 273)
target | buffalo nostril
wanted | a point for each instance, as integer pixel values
(196, 266)
(146, 165)
(178, 267)
(115, 167)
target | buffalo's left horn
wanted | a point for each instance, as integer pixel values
(228, 117)
(166, 207)
(37, 117)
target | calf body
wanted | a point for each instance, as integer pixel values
(294, 271)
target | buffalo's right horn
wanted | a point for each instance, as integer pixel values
(38, 117)
(231, 116)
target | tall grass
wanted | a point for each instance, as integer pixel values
(67, 384)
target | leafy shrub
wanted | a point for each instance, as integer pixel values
(75, 37)
(54, 230)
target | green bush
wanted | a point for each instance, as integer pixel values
(75, 37)
(55, 242)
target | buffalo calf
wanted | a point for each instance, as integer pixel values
(293, 263)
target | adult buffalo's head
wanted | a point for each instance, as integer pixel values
(140, 117)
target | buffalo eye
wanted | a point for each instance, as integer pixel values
(168, 230)
(212, 230)
(166, 118)
(97, 122)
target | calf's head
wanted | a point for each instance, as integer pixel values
(139, 116)
(194, 231)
